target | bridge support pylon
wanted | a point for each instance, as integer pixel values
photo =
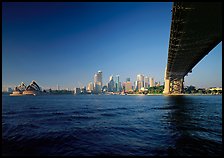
(173, 86)
(167, 87)
(177, 86)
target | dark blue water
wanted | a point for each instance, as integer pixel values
(112, 125)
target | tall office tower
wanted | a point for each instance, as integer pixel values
(120, 87)
(152, 84)
(111, 78)
(146, 82)
(98, 78)
(128, 86)
(136, 85)
(117, 84)
(90, 87)
(57, 87)
(95, 78)
(111, 84)
(140, 80)
(97, 87)
(98, 82)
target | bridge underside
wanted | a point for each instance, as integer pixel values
(196, 29)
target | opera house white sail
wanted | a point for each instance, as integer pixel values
(22, 89)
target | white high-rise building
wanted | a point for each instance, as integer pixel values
(90, 87)
(111, 84)
(140, 81)
(98, 82)
(117, 84)
(146, 82)
(98, 77)
(111, 78)
(152, 83)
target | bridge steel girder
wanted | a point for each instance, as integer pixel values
(196, 28)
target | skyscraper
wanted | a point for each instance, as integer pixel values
(118, 84)
(98, 82)
(136, 85)
(152, 84)
(111, 84)
(127, 86)
(140, 81)
(90, 87)
(98, 77)
(146, 82)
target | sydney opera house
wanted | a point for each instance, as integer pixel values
(22, 89)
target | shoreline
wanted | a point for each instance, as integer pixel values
(123, 94)
(176, 94)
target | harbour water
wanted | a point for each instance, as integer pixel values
(68, 125)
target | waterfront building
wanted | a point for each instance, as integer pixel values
(32, 89)
(9, 89)
(111, 86)
(136, 85)
(97, 87)
(90, 87)
(77, 91)
(16, 92)
(215, 88)
(98, 77)
(98, 82)
(139, 85)
(118, 87)
(146, 82)
(127, 86)
(152, 84)
(140, 81)
(83, 90)
(22, 87)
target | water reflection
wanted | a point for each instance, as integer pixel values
(186, 127)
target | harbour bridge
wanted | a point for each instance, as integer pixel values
(196, 28)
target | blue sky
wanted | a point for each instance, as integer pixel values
(66, 43)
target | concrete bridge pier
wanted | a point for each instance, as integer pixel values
(174, 86)
(177, 86)
(167, 87)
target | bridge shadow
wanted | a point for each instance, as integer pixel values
(186, 128)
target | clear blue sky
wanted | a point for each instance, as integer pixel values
(66, 43)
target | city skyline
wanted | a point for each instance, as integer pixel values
(66, 43)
